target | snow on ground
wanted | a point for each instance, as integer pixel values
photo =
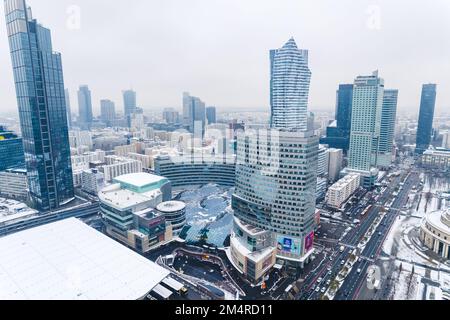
(407, 286)
(402, 245)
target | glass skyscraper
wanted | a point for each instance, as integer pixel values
(211, 115)
(289, 87)
(426, 117)
(194, 114)
(85, 108)
(42, 108)
(338, 133)
(129, 102)
(276, 175)
(11, 150)
(387, 131)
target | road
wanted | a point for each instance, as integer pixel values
(355, 281)
(333, 263)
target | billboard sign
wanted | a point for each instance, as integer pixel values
(309, 242)
(288, 245)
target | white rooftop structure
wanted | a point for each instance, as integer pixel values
(171, 206)
(139, 180)
(162, 292)
(123, 199)
(12, 211)
(68, 260)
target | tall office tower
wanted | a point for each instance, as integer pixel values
(194, 113)
(108, 112)
(42, 108)
(274, 201)
(85, 108)
(129, 102)
(69, 111)
(368, 94)
(426, 117)
(388, 119)
(211, 115)
(276, 176)
(11, 150)
(338, 133)
(289, 87)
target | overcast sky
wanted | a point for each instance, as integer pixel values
(219, 49)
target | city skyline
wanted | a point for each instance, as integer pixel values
(159, 84)
(188, 204)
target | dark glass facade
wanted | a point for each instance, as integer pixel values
(11, 150)
(338, 135)
(42, 108)
(426, 117)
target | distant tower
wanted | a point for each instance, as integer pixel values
(211, 115)
(85, 107)
(426, 117)
(338, 133)
(289, 87)
(41, 100)
(129, 102)
(108, 112)
(194, 111)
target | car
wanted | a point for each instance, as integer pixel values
(323, 290)
(359, 271)
(328, 282)
(317, 289)
(319, 280)
(342, 262)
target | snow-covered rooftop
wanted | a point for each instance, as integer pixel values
(171, 206)
(68, 260)
(139, 180)
(12, 210)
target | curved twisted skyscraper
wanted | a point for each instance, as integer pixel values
(289, 87)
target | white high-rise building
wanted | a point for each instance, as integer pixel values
(335, 163)
(290, 81)
(118, 166)
(323, 161)
(92, 181)
(368, 95)
(342, 190)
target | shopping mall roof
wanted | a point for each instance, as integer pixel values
(171, 206)
(68, 260)
(139, 180)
